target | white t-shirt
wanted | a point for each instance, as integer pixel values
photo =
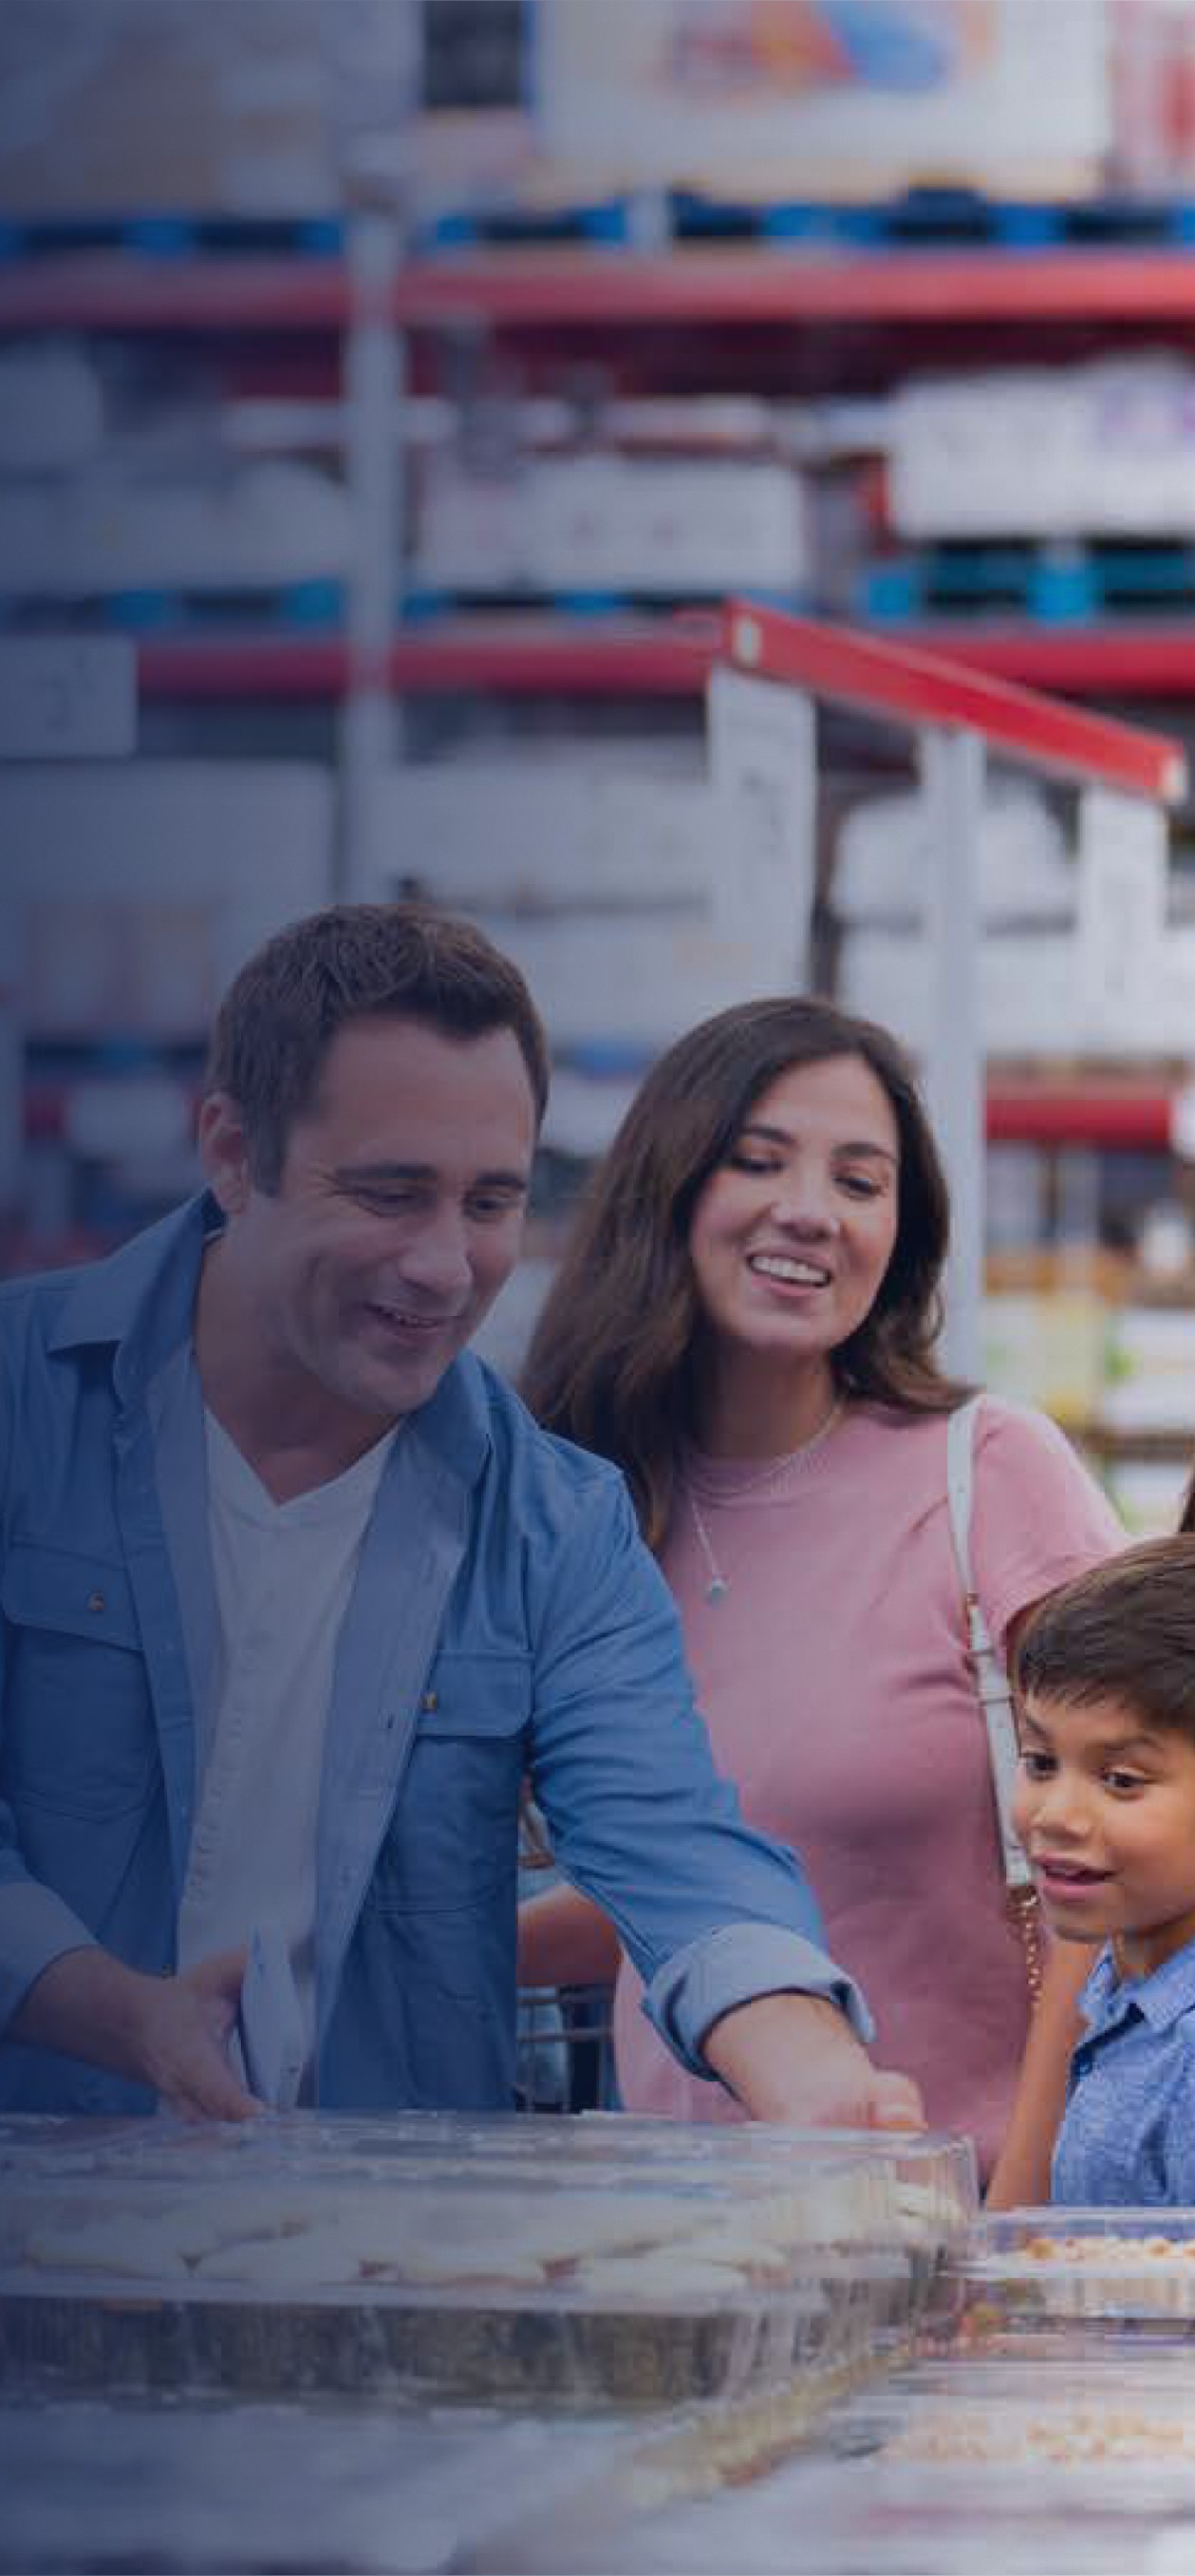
(282, 1575)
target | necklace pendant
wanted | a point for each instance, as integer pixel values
(717, 1588)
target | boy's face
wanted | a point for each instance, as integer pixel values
(1105, 1807)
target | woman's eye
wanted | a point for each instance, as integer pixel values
(860, 1185)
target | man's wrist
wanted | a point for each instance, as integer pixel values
(89, 2005)
(759, 2049)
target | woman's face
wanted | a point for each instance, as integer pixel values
(791, 1235)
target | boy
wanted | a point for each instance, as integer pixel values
(1105, 1806)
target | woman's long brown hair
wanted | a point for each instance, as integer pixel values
(614, 1359)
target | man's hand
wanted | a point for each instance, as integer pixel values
(794, 2058)
(169, 2032)
(186, 2024)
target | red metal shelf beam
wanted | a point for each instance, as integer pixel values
(669, 659)
(926, 690)
(533, 290)
(1087, 1113)
(1154, 660)
(115, 291)
(223, 667)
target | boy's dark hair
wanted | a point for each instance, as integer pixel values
(1124, 1631)
(356, 961)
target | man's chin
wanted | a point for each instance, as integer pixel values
(387, 1393)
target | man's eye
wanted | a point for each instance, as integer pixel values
(385, 1202)
(490, 1209)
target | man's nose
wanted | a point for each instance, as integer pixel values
(438, 1257)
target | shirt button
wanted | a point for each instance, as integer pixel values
(430, 1701)
(96, 1601)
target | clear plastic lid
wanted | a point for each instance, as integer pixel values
(1086, 2263)
(485, 2258)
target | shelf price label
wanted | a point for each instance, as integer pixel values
(1121, 920)
(67, 697)
(762, 750)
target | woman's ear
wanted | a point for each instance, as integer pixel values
(224, 1151)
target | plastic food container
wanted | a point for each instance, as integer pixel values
(1114, 2265)
(501, 2263)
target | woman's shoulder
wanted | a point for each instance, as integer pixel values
(993, 1418)
(1008, 1441)
(1022, 1431)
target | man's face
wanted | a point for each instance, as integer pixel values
(398, 1216)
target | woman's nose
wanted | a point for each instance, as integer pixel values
(803, 1203)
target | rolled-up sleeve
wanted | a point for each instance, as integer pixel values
(712, 1913)
(733, 1966)
(36, 1928)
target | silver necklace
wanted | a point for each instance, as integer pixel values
(794, 1462)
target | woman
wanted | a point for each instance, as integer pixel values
(745, 1321)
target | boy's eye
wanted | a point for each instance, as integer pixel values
(1036, 1766)
(1124, 1782)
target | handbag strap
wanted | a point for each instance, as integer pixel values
(991, 1679)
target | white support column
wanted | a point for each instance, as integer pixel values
(375, 465)
(952, 771)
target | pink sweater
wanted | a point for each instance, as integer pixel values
(835, 1681)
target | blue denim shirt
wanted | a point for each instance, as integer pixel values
(505, 1618)
(1128, 2133)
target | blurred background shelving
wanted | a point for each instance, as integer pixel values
(412, 409)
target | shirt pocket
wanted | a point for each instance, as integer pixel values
(454, 1836)
(78, 1727)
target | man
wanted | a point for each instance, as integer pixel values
(295, 1595)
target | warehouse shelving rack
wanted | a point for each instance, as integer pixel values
(377, 310)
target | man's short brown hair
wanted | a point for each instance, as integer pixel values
(356, 961)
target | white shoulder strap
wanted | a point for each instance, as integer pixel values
(991, 1680)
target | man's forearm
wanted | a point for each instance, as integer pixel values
(794, 2058)
(169, 2033)
(87, 2004)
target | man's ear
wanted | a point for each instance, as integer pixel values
(224, 1151)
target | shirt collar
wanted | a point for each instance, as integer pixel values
(1159, 1999)
(141, 1299)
